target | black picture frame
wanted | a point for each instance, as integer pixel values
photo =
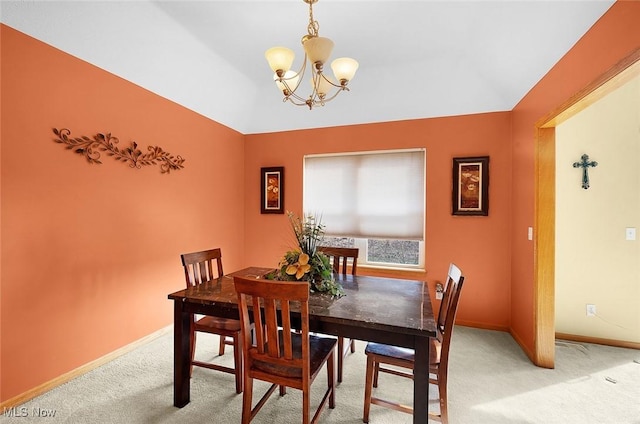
(470, 194)
(272, 189)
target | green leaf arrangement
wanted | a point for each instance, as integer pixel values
(305, 262)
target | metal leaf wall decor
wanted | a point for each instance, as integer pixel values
(91, 149)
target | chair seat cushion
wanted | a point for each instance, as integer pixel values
(403, 353)
(215, 323)
(319, 349)
(395, 352)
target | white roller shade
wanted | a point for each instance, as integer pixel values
(367, 195)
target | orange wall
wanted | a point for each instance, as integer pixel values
(611, 39)
(479, 245)
(90, 252)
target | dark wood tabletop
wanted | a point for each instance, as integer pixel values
(384, 310)
(397, 305)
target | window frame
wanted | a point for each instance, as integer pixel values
(362, 242)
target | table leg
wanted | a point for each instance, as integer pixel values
(421, 381)
(181, 355)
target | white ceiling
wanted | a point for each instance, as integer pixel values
(418, 59)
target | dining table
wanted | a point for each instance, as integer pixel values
(393, 311)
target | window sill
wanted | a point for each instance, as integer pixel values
(378, 271)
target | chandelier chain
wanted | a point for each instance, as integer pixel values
(313, 26)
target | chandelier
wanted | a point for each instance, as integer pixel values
(317, 50)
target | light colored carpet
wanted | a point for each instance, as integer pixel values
(491, 382)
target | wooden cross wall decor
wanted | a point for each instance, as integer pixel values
(585, 164)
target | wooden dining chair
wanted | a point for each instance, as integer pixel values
(280, 355)
(339, 257)
(379, 355)
(200, 267)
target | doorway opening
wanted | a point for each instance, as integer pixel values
(544, 214)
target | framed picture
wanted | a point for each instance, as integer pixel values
(272, 190)
(471, 186)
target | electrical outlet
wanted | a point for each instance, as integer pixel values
(591, 310)
(439, 291)
(630, 233)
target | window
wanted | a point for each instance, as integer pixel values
(370, 200)
(383, 253)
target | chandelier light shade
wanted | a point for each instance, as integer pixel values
(344, 68)
(317, 51)
(280, 58)
(291, 77)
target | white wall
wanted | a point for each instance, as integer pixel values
(594, 262)
(139, 42)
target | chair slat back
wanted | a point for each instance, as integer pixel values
(200, 267)
(340, 256)
(454, 298)
(454, 276)
(453, 290)
(278, 302)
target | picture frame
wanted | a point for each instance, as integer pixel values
(272, 190)
(470, 194)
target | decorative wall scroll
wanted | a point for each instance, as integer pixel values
(272, 190)
(471, 186)
(585, 164)
(91, 148)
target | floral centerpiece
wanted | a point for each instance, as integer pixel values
(305, 262)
